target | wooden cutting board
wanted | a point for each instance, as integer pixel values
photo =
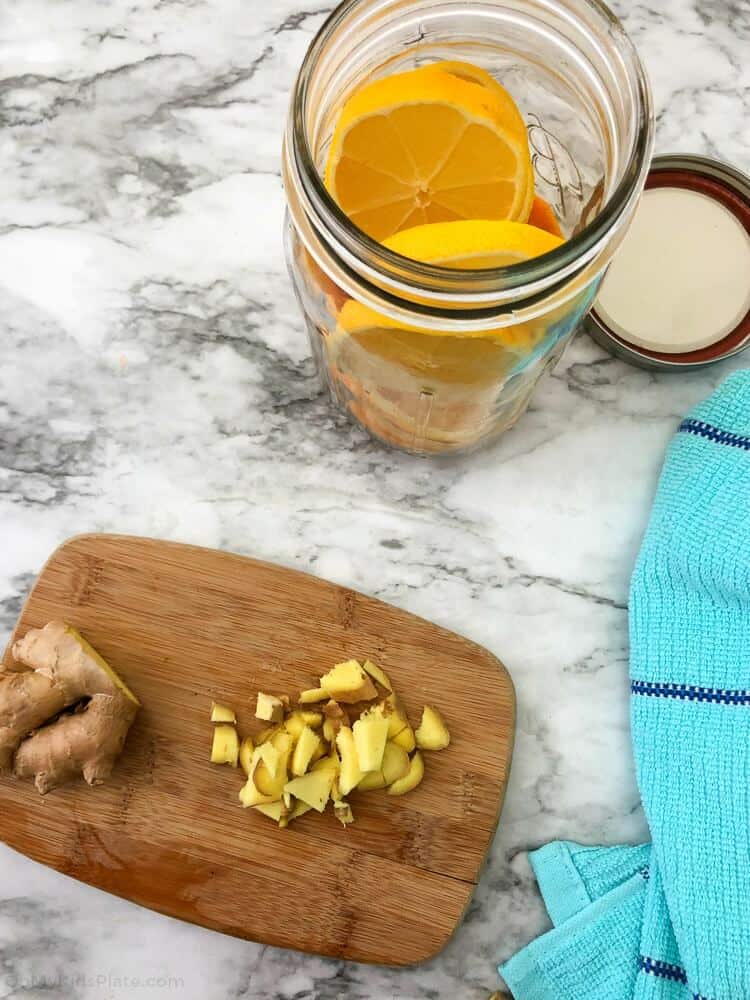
(186, 625)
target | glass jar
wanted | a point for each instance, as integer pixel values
(433, 359)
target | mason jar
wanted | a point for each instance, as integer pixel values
(429, 358)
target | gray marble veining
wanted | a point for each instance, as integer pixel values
(155, 379)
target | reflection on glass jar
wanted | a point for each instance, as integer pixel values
(431, 358)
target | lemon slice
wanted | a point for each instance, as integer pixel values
(465, 245)
(510, 113)
(473, 243)
(426, 389)
(429, 146)
(470, 73)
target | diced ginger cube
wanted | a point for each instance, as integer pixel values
(313, 788)
(296, 721)
(395, 766)
(399, 729)
(294, 724)
(411, 779)
(312, 695)
(246, 754)
(250, 794)
(222, 713)
(226, 746)
(406, 739)
(378, 674)
(269, 708)
(299, 809)
(347, 682)
(432, 733)
(307, 744)
(270, 780)
(351, 774)
(371, 781)
(270, 809)
(312, 719)
(370, 737)
(271, 757)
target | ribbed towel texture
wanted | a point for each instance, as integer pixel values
(671, 921)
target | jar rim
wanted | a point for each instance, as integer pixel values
(567, 259)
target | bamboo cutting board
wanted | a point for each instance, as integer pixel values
(184, 626)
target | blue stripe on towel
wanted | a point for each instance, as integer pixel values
(691, 692)
(704, 430)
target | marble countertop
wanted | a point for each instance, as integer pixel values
(155, 379)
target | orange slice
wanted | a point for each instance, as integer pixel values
(429, 146)
(428, 389)
(470, 73)
(473, 243)
(365, 338)
(466, 245)
(543, 216)
(511, 115)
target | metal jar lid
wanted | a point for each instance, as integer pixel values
(731, 188)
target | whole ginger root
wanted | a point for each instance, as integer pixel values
(63, 670)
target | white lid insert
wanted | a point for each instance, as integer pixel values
(681, 279)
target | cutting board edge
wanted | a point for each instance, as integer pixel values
(485, 655)
(215, 926)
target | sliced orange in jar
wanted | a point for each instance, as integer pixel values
(543, 216)
(470, 73)
(423, 388)
(474, 243)
(382, 355)
(466, 245)
(511, 115)
(429, 146)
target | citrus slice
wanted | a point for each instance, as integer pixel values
(511, 115)
(543, 216)
(473, 243)
(428, 146)
(470, 73)
(426, 389)
(385, 365)
(466, 245)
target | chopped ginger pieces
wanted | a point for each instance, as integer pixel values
(269, 709)
(311, 696)
(433, 733)
(347, 682)
(307, 758)
(221, 713)
(226, 746)
(411, 779)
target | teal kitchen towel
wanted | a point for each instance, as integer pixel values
(690, 684)
(661, 974)
(571, 876)
(589, 957)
